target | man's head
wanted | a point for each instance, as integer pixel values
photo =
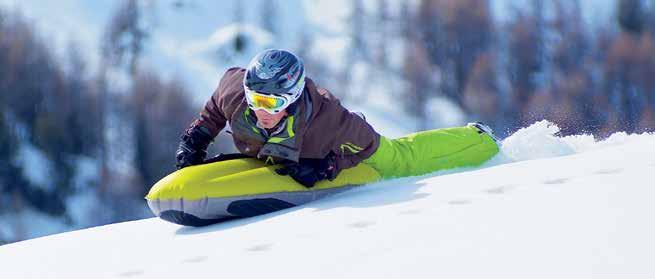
(274, 80)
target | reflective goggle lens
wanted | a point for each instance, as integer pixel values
(267, 102)
(261, 101)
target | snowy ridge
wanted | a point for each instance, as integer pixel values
(546, 207)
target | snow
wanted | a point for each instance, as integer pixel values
(40, 167)
(331, 49)
(443, 112)
(327, 16)
(81, 207)
(29, 223)
(62, 22)
(87, 171)
(82, 22)
(210, 57)
(546, 207)
(594, 12)
(225, 35)
(540, 141)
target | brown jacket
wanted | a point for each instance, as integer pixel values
(317, 126)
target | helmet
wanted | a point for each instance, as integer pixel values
(274, 80)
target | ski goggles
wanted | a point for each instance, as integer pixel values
(271, 103)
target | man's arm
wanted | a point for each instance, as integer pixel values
(195, 139)
(356, 140)
(346, 137)
(212, 116)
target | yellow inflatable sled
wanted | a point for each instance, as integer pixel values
(211, 193)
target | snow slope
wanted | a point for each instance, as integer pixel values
(547, 207)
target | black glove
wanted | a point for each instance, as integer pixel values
(193, 147)
(309, 171)
(224, 157)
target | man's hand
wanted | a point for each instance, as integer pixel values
(309, 171)
(193, 147)
(225, 157)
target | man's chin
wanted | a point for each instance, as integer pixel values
(265, 125)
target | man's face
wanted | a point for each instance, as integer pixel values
(267, 120)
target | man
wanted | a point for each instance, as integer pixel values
(280, 116)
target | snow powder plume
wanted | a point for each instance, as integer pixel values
(540, 141)
(536, 141)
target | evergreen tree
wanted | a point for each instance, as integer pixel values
(631, 16)
(125, 36)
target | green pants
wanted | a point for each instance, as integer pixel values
(432, 150)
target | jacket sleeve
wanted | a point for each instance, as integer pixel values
(213, 116)
(355, 140)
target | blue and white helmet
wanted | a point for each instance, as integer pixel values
(276, 72)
